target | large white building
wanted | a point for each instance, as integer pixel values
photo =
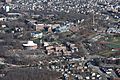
(30, 45)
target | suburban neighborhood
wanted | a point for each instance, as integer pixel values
(59, 39)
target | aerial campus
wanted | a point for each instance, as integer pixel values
(59, 39)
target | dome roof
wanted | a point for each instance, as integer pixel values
(30, 43)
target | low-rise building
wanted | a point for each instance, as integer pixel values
(36, 35)
(2, 19)
(39, 27)
(30, 45)
(113, 30)
(8, 1)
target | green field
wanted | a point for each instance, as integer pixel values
(114, 42)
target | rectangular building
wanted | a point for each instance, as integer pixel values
(8, 1)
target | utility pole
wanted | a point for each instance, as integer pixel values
(93, 17)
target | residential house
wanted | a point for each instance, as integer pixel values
(61, 29)
(60, 48)
(49, 47)
(113, 30)
(13, 16)
(51, 27)
(8, 1)
(56, 49)
(39, 27)
(72, 47)
(45, 44)
(2, 19)
(36, 35)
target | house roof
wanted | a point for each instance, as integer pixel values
(30, 43)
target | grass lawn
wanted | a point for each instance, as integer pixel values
(114, 42)
(105, 53)
(114, 45)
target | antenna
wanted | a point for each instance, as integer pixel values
(93, 3)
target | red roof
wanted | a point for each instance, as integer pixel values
(103, 42)
(116, 79)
